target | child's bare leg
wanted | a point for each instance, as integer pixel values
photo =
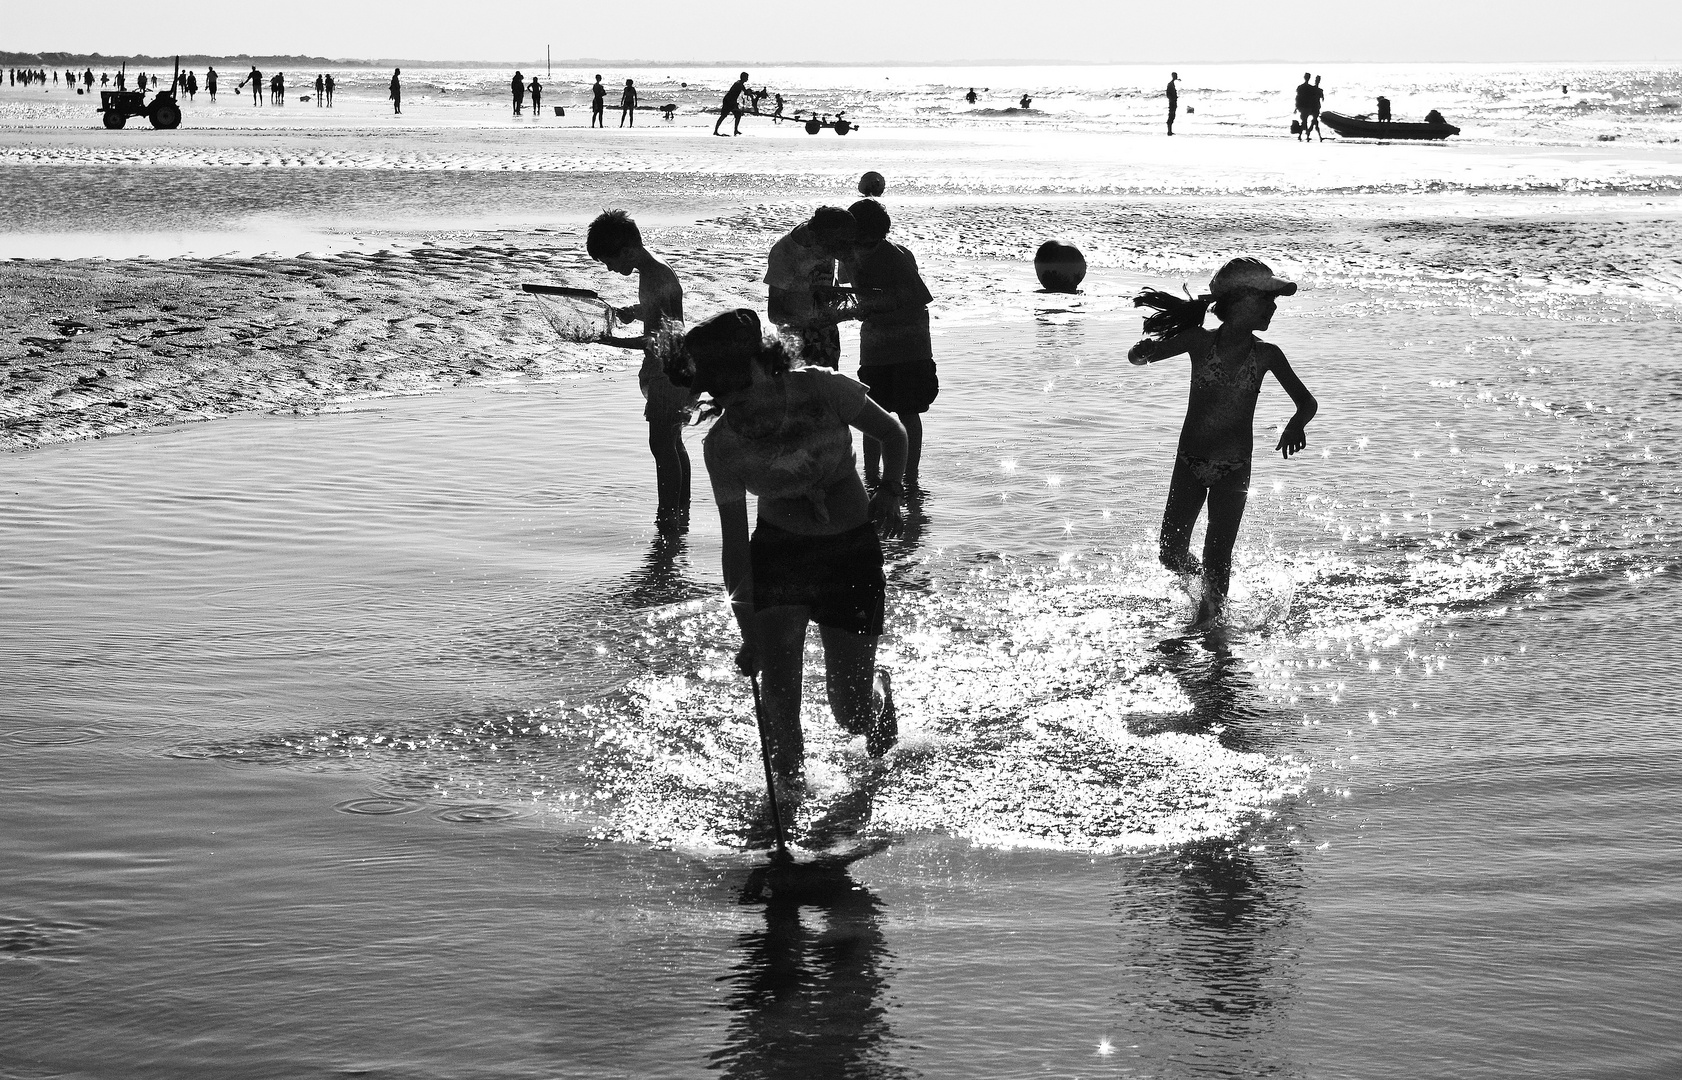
(782, 649)
(1185, 502)
(913, 423)
(1226, 514)
(849, 663)
(671, 465)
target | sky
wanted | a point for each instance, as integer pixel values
(1121, 31)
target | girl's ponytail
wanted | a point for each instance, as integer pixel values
(1173, 314)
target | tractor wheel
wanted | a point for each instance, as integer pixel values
(842, 127)
(813, 127)
(164, 113)
(113, 119)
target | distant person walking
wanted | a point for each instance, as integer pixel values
(255, 79)
(732, 106)
(1304, 104)
(598, 103)
(536, 91)
(320, 92)
(777, 113)
(970, 97)
(209, 83)
(396, 93)
(329, 91)
(1173, 99)
(518, 86)
(628, 104)
(192, 86)
(1315, 100)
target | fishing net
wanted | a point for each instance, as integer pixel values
(576, 319)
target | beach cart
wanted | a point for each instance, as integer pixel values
(163, 110)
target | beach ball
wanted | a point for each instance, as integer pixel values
(1059, 266)
(871, 184)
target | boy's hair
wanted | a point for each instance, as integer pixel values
(873, 221)
(831, 219)
(612, 232)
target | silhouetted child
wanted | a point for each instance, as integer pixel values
(896, 357)
(1212, 462)
(615, 241)
(628, 104)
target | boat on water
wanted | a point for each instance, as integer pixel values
(1359, 127)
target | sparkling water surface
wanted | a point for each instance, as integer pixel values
(389, 738)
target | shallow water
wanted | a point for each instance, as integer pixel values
(386, 736)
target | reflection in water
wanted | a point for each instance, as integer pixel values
(659, 580)
(901, 564)
(1212, 933)
(1214, 679)
(806, 995)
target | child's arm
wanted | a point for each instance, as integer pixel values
(1294, 437)
(1150, 350)
(663, 300)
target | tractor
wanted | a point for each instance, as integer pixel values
(164, 111)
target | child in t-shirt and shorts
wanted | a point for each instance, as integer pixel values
(896, 357)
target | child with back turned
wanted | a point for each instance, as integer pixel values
(615, 241)
(1216, 441)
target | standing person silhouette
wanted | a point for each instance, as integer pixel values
(732, 106)
(209, 83)
(1173, 99)
(777, 113)
(536, 91)
(256, 81)
(628, 104)
(1212, 462)
(598, 102)
(801, 272)
(970, 97)
(1315, 100)
(320, 92)
(329, 91)
(192, 86)
(1304, 104)
(396, 92)
(518, 86)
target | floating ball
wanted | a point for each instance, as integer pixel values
(1059, 266)
(871, 184)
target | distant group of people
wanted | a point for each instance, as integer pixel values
(1026, 101)
(276, 87)
(521, 88)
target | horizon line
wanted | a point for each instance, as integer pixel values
(18, 56)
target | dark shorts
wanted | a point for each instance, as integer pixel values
(902, 388)
(838, 577)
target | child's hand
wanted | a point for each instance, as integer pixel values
(1292, 440)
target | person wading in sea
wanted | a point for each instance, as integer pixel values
(784, 433)
(1212, 463)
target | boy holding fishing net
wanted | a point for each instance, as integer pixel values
(615, 241)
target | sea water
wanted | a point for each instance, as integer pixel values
(387, 736)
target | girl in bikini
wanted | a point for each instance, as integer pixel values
(784, 435)
(1216, 441)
